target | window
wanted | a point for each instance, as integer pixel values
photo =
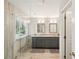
(53, 27)
(41, 28)
(20, 27)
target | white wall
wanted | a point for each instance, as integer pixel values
(33, 27)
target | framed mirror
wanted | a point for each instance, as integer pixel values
(40, 28)
(53, 27)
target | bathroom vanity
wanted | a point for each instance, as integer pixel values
(45, 42)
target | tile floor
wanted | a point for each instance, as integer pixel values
(40, 54)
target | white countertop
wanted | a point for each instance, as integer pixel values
(46, 35)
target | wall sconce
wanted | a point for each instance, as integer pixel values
(41, 21)
(53, 21)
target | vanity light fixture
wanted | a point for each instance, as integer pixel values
(53, 21)
(41, 21)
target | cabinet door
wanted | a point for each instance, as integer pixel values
(52, 42)
(38, 43)
(43, 43)
(33, 42)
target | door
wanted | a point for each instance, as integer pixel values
(68, 33)
(65, 31)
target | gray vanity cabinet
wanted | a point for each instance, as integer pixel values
(45, 42)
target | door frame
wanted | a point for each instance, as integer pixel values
(63, 14)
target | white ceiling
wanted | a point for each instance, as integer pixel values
(36, 8)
